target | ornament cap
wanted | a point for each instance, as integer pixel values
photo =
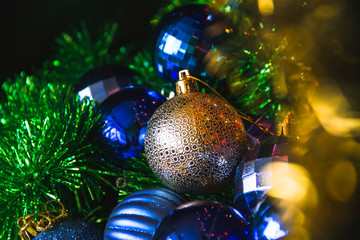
(286, 127)
(186, 83)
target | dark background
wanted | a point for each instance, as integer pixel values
(28, 30)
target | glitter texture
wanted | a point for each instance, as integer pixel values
(69, 229)
(194, 142)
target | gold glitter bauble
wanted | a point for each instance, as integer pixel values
(194, 142)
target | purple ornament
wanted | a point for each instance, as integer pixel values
(200, 220)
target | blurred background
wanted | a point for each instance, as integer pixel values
(29, 28)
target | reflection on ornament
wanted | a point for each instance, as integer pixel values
(202, 220)
(100, 83)
(194, 140)
(268, 223)
(126, 115)
(139, 214)
(183, 38)
(252, 180)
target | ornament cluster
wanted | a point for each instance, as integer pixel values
(195, 143)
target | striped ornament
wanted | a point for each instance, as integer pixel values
(139, 214)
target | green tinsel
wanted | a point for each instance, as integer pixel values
(77, 54)
(52, 148)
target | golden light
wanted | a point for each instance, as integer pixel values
(291, 182)
(266, 7)
(333, 111)
(341, 180)
(327, 11)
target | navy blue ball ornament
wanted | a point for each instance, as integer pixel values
(139, 214)
(104, 81)
(69, 229)
(273, 219)
(183, 38)
(127, 113)
(253, 179)
(200, 220)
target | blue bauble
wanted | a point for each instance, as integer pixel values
(183, 38)
(269, 222)
(127, 113)
(252, 182)
(200, 220)
(139, 214)
(69, 229)
(104, 81)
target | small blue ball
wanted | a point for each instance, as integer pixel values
(69, 229)
(184, 37)
(127, 113)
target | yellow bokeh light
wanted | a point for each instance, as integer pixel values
(341, 180)
(327, 11)
(332, 109)
(291, 182)
(266, 7)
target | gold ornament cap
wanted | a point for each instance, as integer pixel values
(286, 127)
(186, 83)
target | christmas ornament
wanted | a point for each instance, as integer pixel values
(139, 214)
(199, 220)
(104, 81)
(184, 37)
(272, 219)
(71, 230)
(251, 181)
(195, 140)
(126, 115)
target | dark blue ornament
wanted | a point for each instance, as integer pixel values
(200, 220)
(139, 214)
(184, 37)
(127, 113)
(69, 229)
(104, 81)
(252, 182)
(269, 222)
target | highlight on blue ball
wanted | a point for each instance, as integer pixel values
(127, 113)
(184, 36)
(140, 213)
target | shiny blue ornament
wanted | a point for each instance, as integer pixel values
(139, 214)
(127, 113)
(200, 220)
(184, 37)
(69, 229)
(251, 181)
(101, 82)
(268, 222)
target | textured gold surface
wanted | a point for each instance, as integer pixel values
(194, 142)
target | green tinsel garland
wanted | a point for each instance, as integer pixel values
(78, 53)
(52, 148)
